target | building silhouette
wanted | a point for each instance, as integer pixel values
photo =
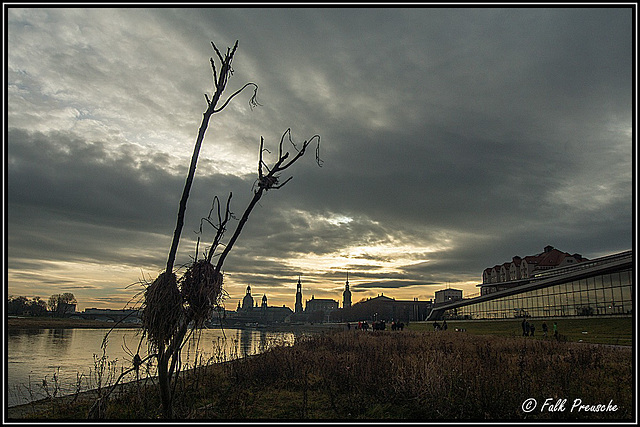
(248, 312)
(447, 295)
(247, 301)
(346, 295)
(384, 308)
(298, 307)
(552, 283)
(320, 304)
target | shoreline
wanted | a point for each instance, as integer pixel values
(62, 323)
(23, 411)
(16, 323)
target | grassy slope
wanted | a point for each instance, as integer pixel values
(607, 330)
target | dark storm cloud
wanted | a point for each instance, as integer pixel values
(481, 133)
(75, 197)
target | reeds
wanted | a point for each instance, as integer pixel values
(426, 376)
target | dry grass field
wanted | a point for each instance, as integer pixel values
(392, 375)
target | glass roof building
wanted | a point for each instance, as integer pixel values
(602, 286)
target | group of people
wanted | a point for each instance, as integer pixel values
(529, 329)
(440, 327)
(397, 326)
(378, 326)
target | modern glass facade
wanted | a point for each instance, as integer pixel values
(605, 290)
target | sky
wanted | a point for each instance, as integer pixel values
(452, 139)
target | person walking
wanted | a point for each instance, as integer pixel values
(524, 327)
(555, 330)
(545, 329)
(532, 327)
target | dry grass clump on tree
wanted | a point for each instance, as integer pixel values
(201, 287)
(162, 309)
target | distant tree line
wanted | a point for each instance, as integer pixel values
(58, 305)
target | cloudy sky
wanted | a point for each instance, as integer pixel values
(451, 140)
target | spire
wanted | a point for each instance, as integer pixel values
(346, 295)
(298, 305)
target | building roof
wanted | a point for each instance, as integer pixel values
(448, 289)
(321, 299)
(551, 258)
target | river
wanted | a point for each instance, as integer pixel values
(42, 362)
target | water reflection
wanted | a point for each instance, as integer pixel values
(71, 358)
(246, 336)
(61, 340)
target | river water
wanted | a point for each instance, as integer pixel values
(44, 362)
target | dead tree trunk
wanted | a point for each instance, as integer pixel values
(164, 318)
(220, 85)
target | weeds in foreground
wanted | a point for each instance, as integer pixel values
(441, 376)
(406, 375)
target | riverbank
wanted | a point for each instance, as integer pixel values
(78, 405)
(62, 323)
(386, 375)
(67, 323)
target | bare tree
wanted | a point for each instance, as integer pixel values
(173, 308)
(62, 304)
(164, 318)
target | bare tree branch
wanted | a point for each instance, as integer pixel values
(253, 102)
(218, 52)
(220, 227)
(265, 183)
(220, 82)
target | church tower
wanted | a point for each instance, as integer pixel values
(264, 301)
(298, 306)
(346, 295)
